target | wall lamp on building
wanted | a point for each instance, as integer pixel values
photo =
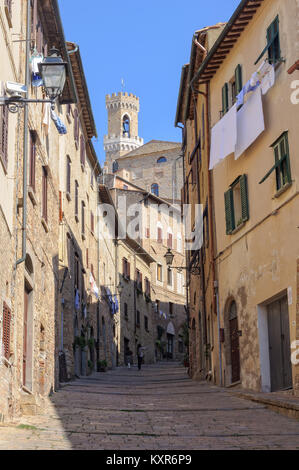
(53, 73)
(169, 257)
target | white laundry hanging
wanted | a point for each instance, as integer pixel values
(223, 137)
(250, 122)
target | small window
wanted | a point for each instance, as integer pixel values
(236, 204)
(126, 126)
(126, 269)
(273, 44)
(76, 199)
(282, 162)
(169, 240)
(159, 235)
(115, 166)
(155, 189)
(68, 175)
(82, 151)
(162, 160)
(146, 323)
(159, 273)
(83, 217)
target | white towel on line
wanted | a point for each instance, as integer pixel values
(223, 137)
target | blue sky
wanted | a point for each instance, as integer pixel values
(144, 42)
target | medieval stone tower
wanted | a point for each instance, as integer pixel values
(122, 138)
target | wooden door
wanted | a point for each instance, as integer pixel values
(279, 345)
(25, 333)
(234, 344)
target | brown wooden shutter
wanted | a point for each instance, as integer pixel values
(6, 330)
(128, 270)
(160, 237)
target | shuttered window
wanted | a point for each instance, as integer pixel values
(273, 44)
(32, 159)
(76, 127)
(282, 165)
(225, 104)
(83, 217)
(82, 150)
(4, 134)
(126, 269)
(238, 79)
(45, 194)
(169, 240)
(236, 204)
(6, 330)
(160, 235)
(68, 175)
(76, 199)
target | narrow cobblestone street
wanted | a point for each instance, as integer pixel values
(157, 408)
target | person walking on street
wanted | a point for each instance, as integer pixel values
(140, 354)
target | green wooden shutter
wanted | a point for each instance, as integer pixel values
(273, 41)
(244, 198)
(225, 98)
(238, 78)
(229, 211)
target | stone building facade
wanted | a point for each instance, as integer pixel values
(78, 236)
(192, 111)
(157, 227)
(37, 222)
(255, 195)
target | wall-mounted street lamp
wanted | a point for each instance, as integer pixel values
(169, 257)
(53, 72)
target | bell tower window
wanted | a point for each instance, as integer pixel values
(126, 126)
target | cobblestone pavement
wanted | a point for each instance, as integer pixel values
(157, 408)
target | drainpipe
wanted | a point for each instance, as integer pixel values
(25, 141)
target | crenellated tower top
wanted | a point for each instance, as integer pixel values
(122, 138)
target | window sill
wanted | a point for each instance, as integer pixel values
(68, 196)
(282, 190)
(45, 225)
(237, 229)
(31, 194)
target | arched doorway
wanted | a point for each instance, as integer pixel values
(234, 342)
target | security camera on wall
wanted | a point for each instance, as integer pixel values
(15, 89)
